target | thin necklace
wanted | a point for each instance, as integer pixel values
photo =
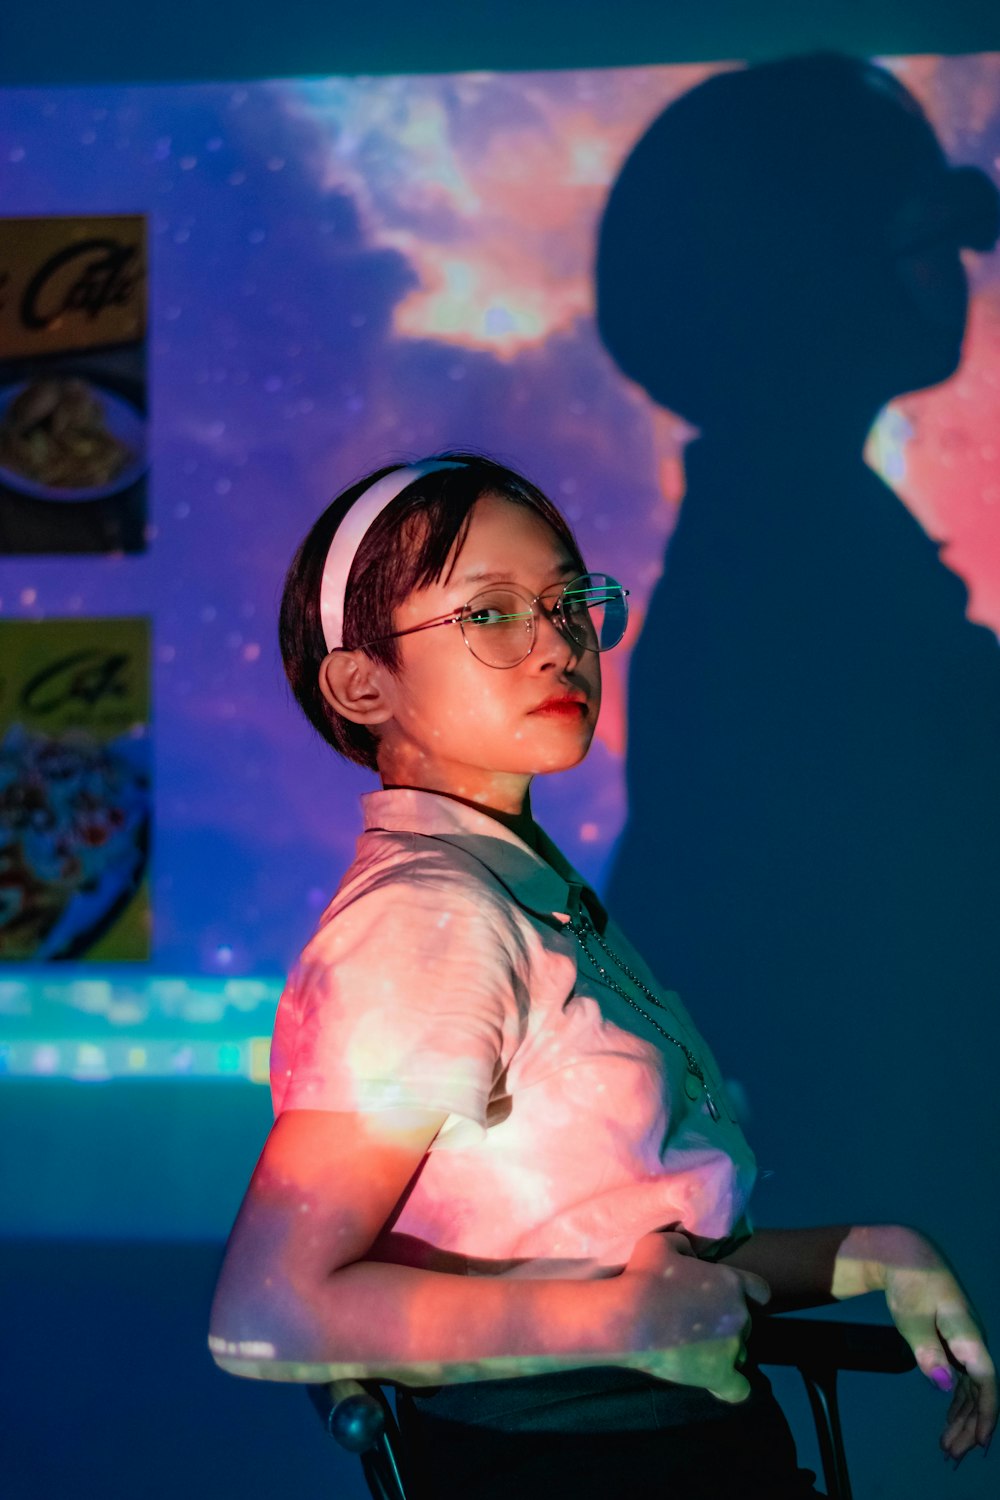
(582, 928)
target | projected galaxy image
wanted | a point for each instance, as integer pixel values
(345, 273)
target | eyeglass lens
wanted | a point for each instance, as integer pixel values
(499, 624)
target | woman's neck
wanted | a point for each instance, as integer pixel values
(521, 823)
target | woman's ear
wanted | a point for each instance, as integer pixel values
(356, 687)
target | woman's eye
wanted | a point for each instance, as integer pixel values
(592, 598)
(498, 609)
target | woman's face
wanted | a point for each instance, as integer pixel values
(460, 726)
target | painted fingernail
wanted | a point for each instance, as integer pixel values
(942, 1378)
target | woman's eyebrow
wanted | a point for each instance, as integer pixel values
(565, 565)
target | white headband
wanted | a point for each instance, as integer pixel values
(351, 532)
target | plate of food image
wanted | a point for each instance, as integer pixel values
(74, 839)
(65, 438)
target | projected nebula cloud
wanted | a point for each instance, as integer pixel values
(349, 271)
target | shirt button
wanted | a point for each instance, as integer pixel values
(691, 1086)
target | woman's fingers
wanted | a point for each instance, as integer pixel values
(961, 1441)
(973, 1407)
(921, 1334)
(961, 1417)
(959, 1436)
(934, 1315)
(967, 1349)
(754, 1287)
(971, 1416)
(733, 1388)
(961, 1398)
(986, 1417)
(654, 1252)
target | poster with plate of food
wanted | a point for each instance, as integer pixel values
(74, 790)
(73, 443)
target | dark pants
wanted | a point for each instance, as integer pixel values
(599, 1434)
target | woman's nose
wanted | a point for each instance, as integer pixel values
(552, 639)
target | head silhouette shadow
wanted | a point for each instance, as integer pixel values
(796, 220)
(812, 853)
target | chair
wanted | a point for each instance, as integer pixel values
(819, 1350)
(359, 1416)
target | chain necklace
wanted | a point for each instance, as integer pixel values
(582, 928)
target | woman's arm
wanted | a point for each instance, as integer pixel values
(810, 1267)
(298, 1300)
(801, 1266)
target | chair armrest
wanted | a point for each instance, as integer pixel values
(815, 1343)
(350, 1413)
(359, 1416)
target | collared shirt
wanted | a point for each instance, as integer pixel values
(444, 975)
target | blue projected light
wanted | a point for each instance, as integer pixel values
(345, 273)
(123, 1026)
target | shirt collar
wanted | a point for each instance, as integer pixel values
(544, 883)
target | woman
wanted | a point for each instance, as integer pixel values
(504, 1171)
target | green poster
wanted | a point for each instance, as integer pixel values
(74, 789)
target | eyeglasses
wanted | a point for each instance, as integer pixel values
(591, 611)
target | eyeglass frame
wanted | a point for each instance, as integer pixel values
(456, 619)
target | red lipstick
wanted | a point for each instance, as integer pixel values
(568, 705)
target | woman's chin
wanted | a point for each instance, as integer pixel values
(561, 758)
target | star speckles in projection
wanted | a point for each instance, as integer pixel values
(348, 272)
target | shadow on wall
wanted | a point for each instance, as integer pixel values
(813, 850)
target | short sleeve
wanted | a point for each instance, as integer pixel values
(404, 997)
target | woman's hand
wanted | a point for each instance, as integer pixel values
(936, 1319)
(687, 1320)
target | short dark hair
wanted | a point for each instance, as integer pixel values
(405, 548)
